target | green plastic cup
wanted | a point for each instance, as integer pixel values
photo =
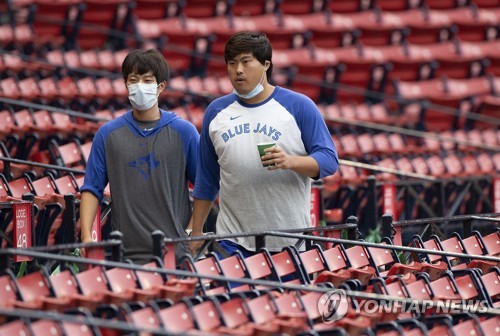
(262, 146)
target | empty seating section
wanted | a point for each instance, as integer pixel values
(431, 66)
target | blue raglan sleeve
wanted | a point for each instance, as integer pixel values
(316, 137)
(191, 140)
(96, 177)
(208, 173)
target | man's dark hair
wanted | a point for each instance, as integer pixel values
(250, 42)
(143, 61)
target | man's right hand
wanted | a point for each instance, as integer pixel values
(194, 246)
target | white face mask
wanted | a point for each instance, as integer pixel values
(142, 96)
(256, 90)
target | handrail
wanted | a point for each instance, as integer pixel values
(266, 283)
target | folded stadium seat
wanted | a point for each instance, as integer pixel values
(455, 244)
(379, 36)
(287, 266)
(111, 17)
(490, 282)
(16, 327)
(349, 145)
(9, 88)
(486, 3)
(485, 163)
(445, 4)
(328, 35)
(235, 316)
(247, 8)
(362, 80)
(172, 288)
(49, 89)
(124, 281)
(436, 166)
(260, 266)
(444, 288)
(142, 318)
(320, 265)
(477, 31)
(387, 163)
(16, 169)
(415, 90)
(422, 33)
(19, 133)
(453, 165)
(471, 327)
(206, 266)
(351, 324)
(432, 264)
(387, 263)
(462, 66)
(205, 316)
(488, 106)
(186, 52)
(206, 8)
(397, 5)
(490, 136)
(35, 288)
(492, 243)
(471, 166)
(285, 58)
(477, 86)
(268, 319)
(70, 58)
(404, 164)
(445, 113)
(11, 293)
(359, 264)
(419, 289)
(55, 22)
(366, 145)
(87, 89)
(490, 324)
(17, 31)
(299, 7)
(94, 283)
(409, 97)
(403, 66)
(396, 289)
(110, 59)
(234, 266)
(46, 327)
(105, 88)
(178, 319)
(29, 88)
(68, 155)
(420, 165)
(94, 125)
(195, 114)
(10, 297)
(68, 89)
(12, 61)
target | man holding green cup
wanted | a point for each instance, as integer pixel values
(293, 144)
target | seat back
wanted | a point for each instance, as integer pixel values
(177, 318)
(335, 258)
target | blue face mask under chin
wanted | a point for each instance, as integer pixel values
(256, 90)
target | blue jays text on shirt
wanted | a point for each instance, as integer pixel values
(245, 128)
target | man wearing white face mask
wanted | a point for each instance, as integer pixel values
(259, 193)
(148, 156)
